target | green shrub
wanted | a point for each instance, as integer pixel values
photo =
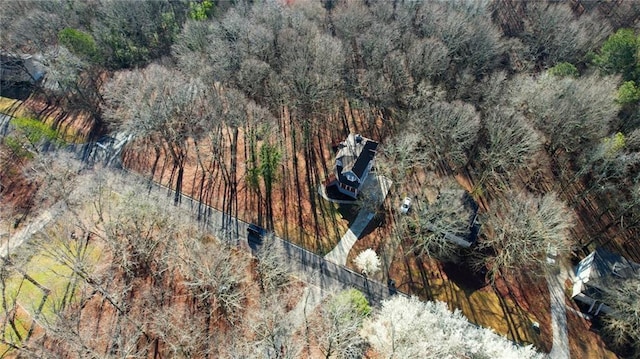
(201, 10)
(36, 131)
(80, 43)
(619, 55)
(628, 93)
(564, 69)
(354, 299)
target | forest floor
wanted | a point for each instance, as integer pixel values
(509, 306)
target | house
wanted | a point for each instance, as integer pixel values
(354, 160)
(18, 74)
(597, 270)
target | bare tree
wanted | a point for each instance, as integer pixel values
(511, 145)
(428, 59)
(272, 267)
(573, 114)
(13, 335)
(274, 334)
(523, 230)
(400, 155)
(139, 233)
(59, 176)
(431, 226)
(134, 35)
(337, 328)
(216, 277)
(553, 33)
(449, 130)
(310, 62)
(160, 104)
(75, 80)
(472, 40)
(622, 325)
(408, 328)
(33, 26)
(182, 338)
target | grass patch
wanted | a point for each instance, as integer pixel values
(50, 273)
(486, 308)
(17, 148)
(18, 109)
(36, 131)
(14, 108)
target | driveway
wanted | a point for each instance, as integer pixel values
(555, 282)
(376, 187)
(339, 254)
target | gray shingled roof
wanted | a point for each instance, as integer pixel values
(603, 264)
(355, 154)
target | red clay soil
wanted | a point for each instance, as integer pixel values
(298, 212)
(507, 308)
(300, 215)
(584, 339)
(532, 296)
(16, 191)
(73, 125)
(167, 311)
(531, 293)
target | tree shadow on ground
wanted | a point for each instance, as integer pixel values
(377, 221)
(348, 212)
(464, 276)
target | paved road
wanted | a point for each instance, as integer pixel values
(306, 265)
(4, 124)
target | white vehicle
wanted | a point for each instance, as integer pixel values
(406, 205)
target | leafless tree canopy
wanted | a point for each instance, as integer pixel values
(623, 325)
(239, 102)
(525, 229)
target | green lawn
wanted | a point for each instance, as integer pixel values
(51, 275)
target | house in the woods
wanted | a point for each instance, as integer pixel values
(354, 160)
(18, 73)
(599, 270)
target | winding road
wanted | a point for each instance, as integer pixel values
(326, 275)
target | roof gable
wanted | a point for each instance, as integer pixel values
(601, 264)
(353, 158)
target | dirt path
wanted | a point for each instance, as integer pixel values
(32, 228)
(555, 282)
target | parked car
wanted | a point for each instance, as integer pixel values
(255, 234)
(405, 206)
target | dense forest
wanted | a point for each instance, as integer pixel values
(532, 109)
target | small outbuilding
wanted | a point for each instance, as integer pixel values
(595, 272)
(18, 74)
